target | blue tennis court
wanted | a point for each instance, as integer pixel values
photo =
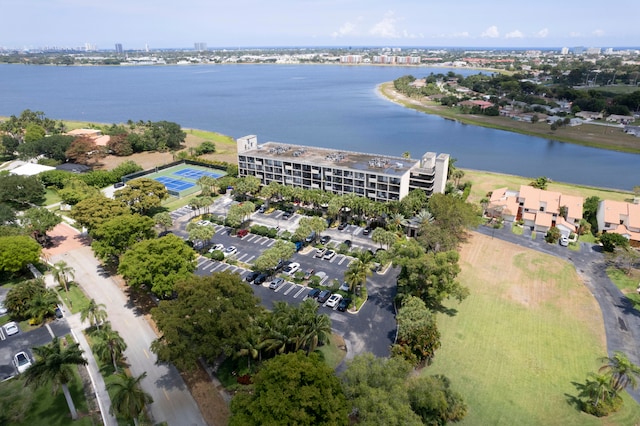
(196, 173)
(174, 184)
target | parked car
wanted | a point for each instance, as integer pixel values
(311, 237)
(286, 215)
(564, 241)
(313, 293)
(276, 283)
(262, 209)
(333, 301)
(344, 287)
(323, 296)
(216, 247)
(347, 243)
(291, 268)
(58, 312)
(252, 276)
(261, 278)
(3, 309)
(204, 223)
(308, 273)
(325, 239)
(21, 361)
(281, 264)
(320, 252)
(230, 251)
(11, 328)
(344, 304)
(342, 226)
(366, 230)
(241, 233)
(329, 255)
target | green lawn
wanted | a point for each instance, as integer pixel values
(75, 300)
(332, 353)
(626, 283)
(527, 333)
(28, 406)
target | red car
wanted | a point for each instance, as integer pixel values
(241, 233)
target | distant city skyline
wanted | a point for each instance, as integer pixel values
(252, 23)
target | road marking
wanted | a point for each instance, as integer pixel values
(271, 242)
(226, 267)
(2, 336)
(295, 296)
(146, 353)
(50, 331)
(342, 260)
(166, 395)
(249, 259)
(253, 237)
(265, 241)
(289, 289)
(241, 257)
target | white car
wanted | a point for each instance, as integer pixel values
(320, 252)
(230, 251)
(292, 268)
(216, 247)
(564, 241)
(21, 361)
(329, 255)
(3, 309)
(204, 223)
(11, 328)
(333, 301)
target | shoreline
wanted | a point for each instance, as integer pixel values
(386, 91)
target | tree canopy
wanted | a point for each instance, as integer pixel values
(16, 252)
(158, 264)
(21, 190)
(308, 393)
(142, 195)
(94, 211)
(209, 317)
(115, 236)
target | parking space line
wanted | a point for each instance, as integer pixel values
(271, 242)
(302, 289)
(227, 266)
(342, 260)
(215, 268)
(239, 259)
(253, 237)
(290, 288)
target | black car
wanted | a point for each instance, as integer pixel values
(252, 276)
(323, 296)
(325, 239)
(347, 243)
(260, 279)
(344, 304)
(313, 293)
(281, 264)
(59, 313)
(366, 230)
(286, 215)
(342, 226)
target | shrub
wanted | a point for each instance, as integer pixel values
(217, 255)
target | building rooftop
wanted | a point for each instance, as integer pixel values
(334, 158)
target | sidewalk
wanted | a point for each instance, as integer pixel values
(99, 387)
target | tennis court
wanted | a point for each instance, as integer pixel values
(174, 184)
(196, 174)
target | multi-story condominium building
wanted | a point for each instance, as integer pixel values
(378, 177)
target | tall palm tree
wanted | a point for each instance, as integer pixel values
(315, 328)
(109, 346)
(621, 371)
(53, 364)
(94, 312)
(358, 271)
(63, 274)
(127, 397)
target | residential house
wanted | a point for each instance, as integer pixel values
(590, 115)
(632, 130)
(621, 218)
(620, 119)
(538, 209)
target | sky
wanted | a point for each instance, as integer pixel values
(279, 23)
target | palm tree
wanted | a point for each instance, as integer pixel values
(127, 397)
(53, 364)
(94, 312)
(42, 305)
(597, 389)
(621, 371)
(250, 347)
(109, 346)
(315, 328)
(424, 216)
(359, 269)
(62, 273)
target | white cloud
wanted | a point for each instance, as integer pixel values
(463, 34)
(543, 33)
(598, 33)
(514, 34)
(491, 32)
(574, 34)
(386, 28)
(346, 29)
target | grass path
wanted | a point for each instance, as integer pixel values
(527, 332)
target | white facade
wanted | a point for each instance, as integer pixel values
(380, 178)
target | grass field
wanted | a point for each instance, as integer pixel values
(527, 332)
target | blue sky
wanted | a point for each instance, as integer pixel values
(246, 23)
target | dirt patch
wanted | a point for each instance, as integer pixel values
(213, 407)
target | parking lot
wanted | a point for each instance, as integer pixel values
(11, 345)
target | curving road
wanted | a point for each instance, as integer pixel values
(621, 320)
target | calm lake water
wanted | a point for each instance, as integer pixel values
(326, 105)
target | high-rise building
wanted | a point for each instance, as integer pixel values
(200, 47)
(377, 177)
(119, 50)
(564, 51)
